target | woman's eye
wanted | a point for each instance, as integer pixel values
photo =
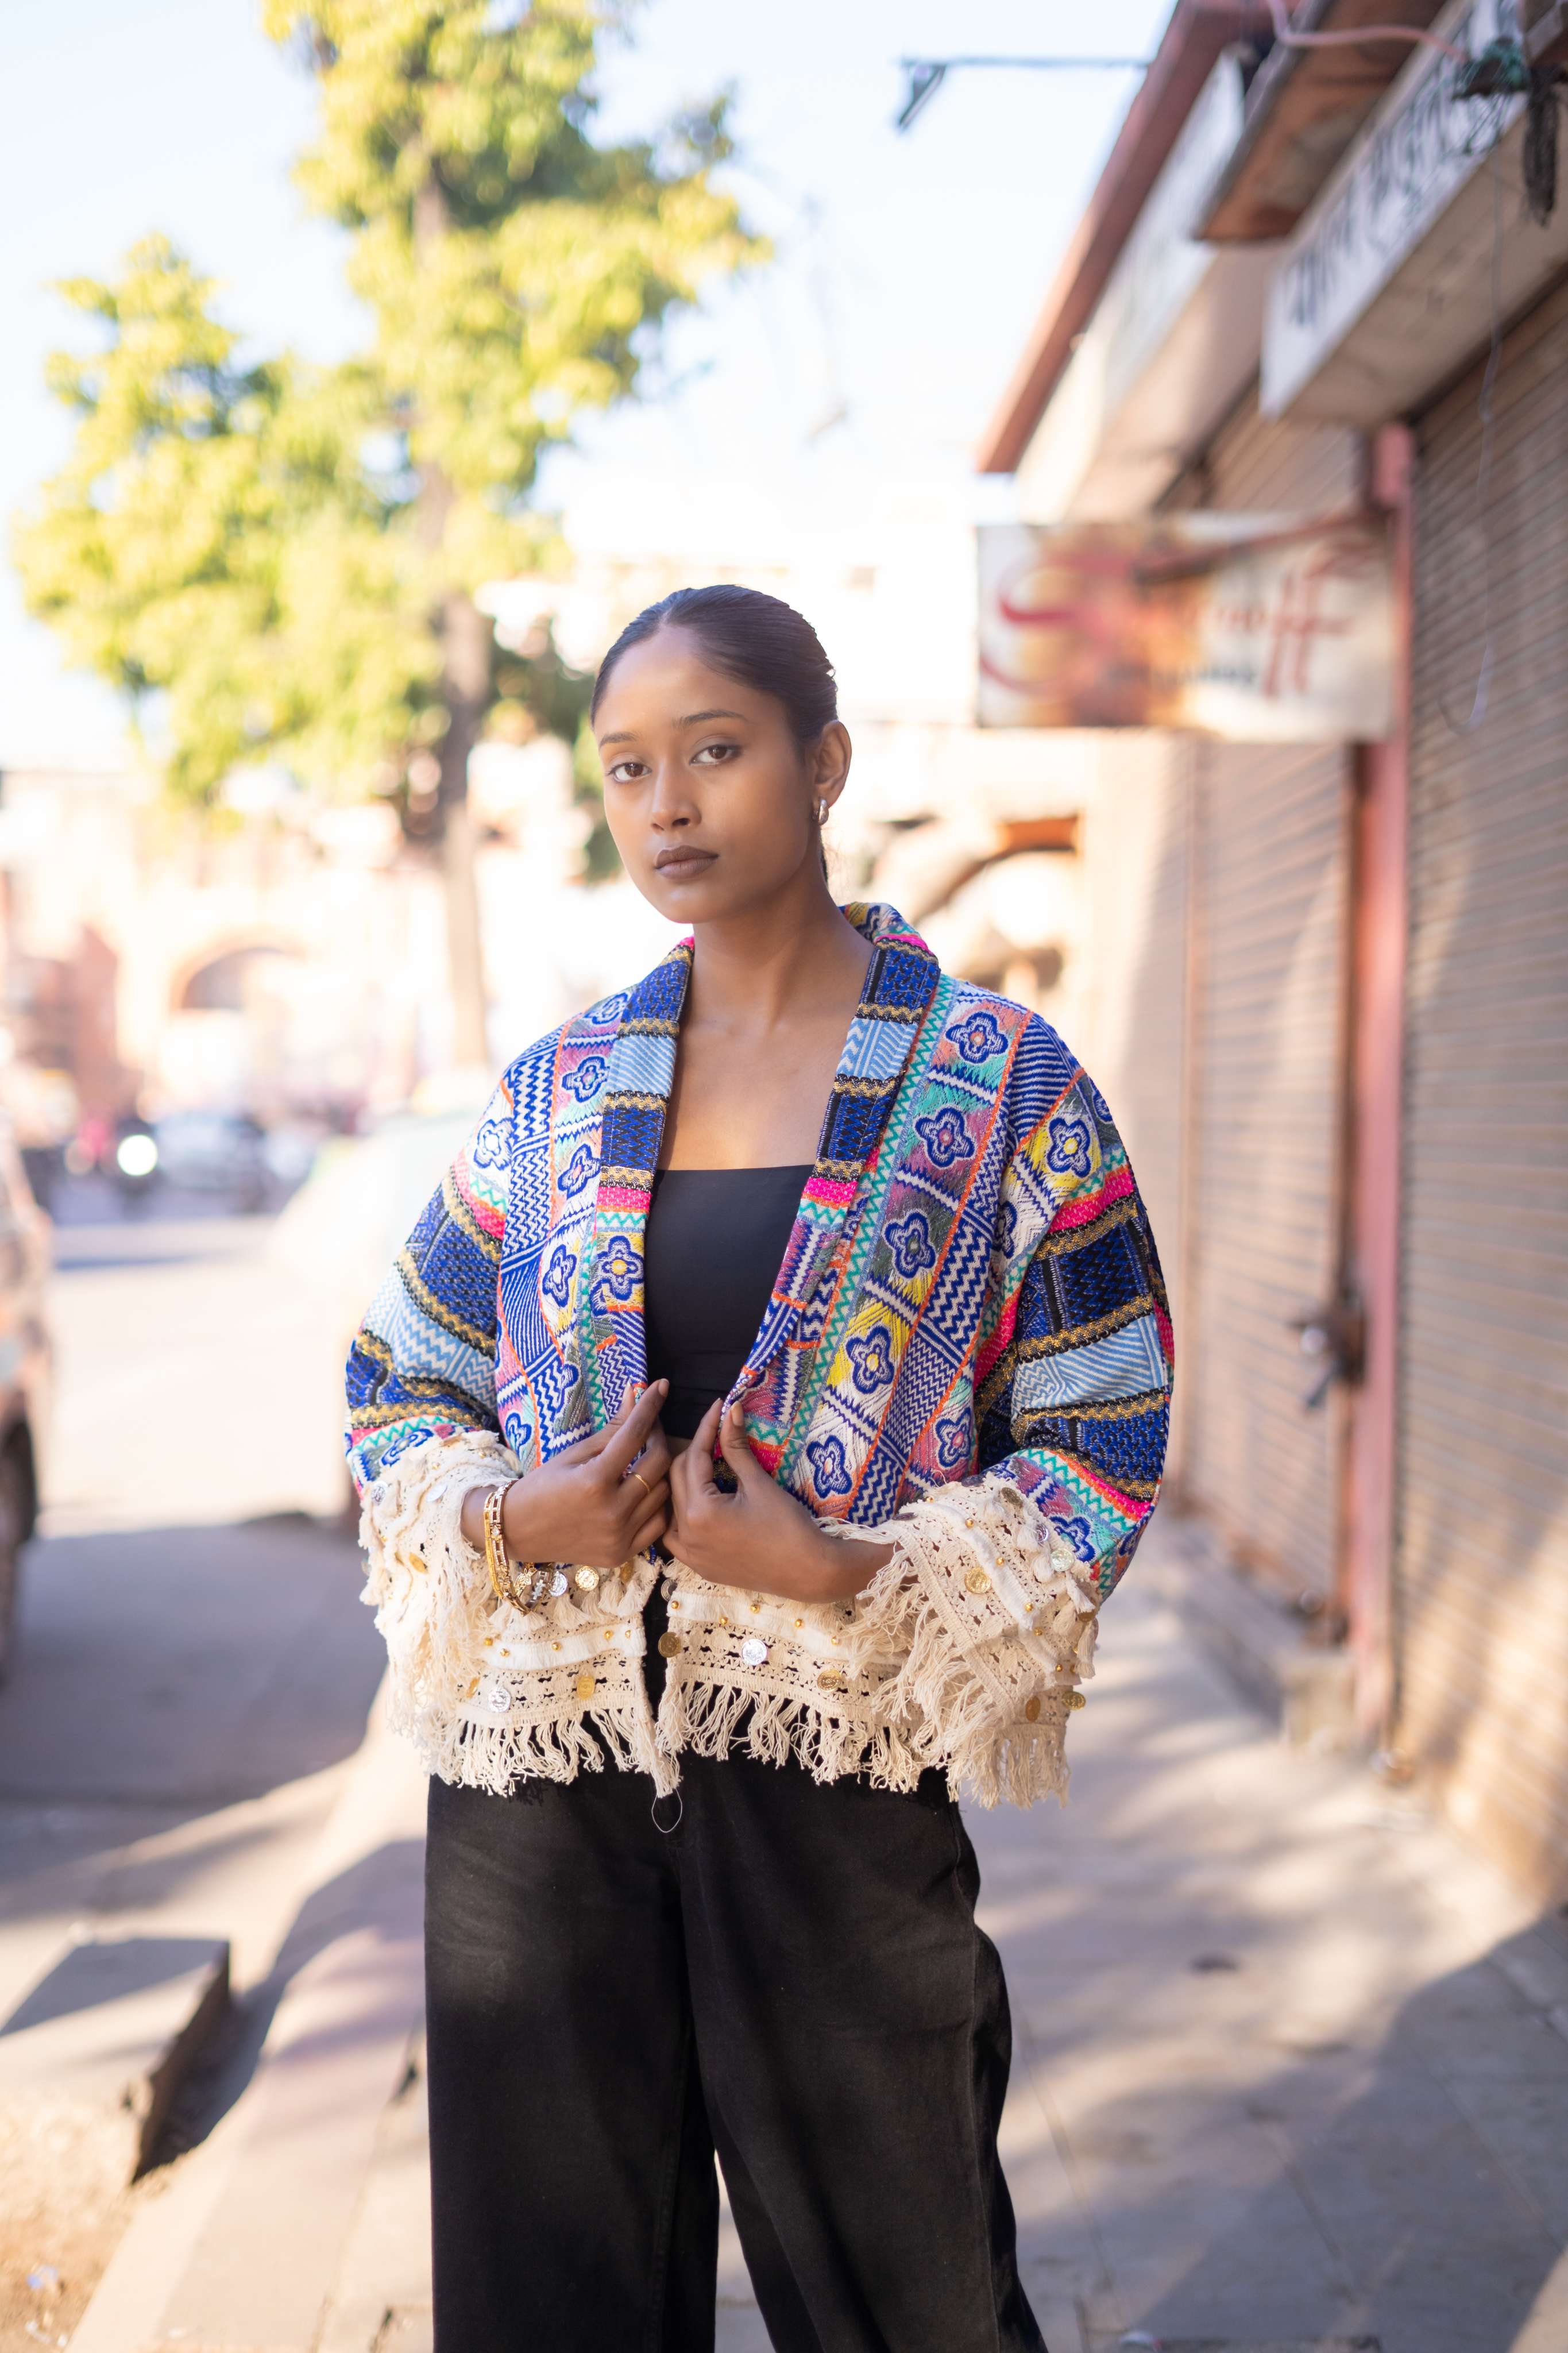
(624, 772)
(716, 753)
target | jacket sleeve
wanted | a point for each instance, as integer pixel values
(423, 1429)
(422, 1367)
(996, 1579)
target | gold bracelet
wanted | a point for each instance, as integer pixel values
(499, 1561)
(495, 1544)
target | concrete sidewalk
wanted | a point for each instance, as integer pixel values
(1291, 2070)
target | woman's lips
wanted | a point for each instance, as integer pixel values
(682, 865)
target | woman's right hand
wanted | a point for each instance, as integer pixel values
(587, 1504)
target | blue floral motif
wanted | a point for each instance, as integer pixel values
(1079, 1534)
(580, 1170)
(1097, 1102)
(556, 1281)
(978, 1037)
(872, 1359)
(952, 1443)
(1068, 1153)
(945, 1137)
(608, 1009)
(583, 1081)
(489, 1149)
(616, 1274)
(911, 1238)
(829, 1469)
(1008, 1229)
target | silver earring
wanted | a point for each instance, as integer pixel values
(822, 812)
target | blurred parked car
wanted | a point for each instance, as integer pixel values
(343, 1230)
(214, 1152)
(25, 1373)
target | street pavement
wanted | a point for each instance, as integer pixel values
(194, 1668)
(1290, 2067)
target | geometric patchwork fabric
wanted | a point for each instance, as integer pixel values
(970, 1290)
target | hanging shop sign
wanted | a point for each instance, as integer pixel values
(1423, 146)
(1259, 628)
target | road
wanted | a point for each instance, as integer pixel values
(193, 1666)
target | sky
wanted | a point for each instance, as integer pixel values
(869, 353)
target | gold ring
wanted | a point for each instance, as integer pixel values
(642, 1483)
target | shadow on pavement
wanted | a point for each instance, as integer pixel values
(1434, 2169)
(162, 1673)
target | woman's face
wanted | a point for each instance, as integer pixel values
(711, 800)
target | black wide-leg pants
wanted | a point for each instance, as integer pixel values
(787, 1973)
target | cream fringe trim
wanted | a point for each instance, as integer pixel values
(962, 1655)
(489, 1694)
(994, 1629)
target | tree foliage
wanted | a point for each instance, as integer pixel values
(287, 554)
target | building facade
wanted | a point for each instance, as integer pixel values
(1338, 1043)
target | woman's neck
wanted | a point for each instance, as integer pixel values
(791, 959)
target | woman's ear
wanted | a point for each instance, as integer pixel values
(829, 761)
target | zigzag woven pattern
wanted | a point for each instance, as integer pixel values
(970, 1290)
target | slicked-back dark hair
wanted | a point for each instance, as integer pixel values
(755, 638)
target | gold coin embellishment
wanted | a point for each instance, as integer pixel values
(670, 1646)
(1031, 1711)
(977, 1581)
(586, 1581)
(830, 1680)
(1076, 1699)
(587, 1686)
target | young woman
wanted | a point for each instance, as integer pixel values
(762, 1409)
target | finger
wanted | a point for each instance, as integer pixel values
(736, 1448)
(641, 1499)
(690, 1479)
(630, 1434)
(701, 1453)
(656, 1457)
(652, 1529)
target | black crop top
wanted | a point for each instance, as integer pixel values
(715, 1242)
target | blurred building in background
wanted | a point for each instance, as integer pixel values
(975, 834)
(1331, 976)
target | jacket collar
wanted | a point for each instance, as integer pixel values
(900, 981)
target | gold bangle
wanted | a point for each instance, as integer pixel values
(499, 1561)
(496, 1560)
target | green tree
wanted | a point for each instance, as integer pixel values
(289, 555)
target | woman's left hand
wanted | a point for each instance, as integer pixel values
(760, 1539)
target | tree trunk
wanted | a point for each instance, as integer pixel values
(466, 691)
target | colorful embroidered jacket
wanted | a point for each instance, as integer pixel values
(967, 1353)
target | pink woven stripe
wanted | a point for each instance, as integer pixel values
(490, 1215)
(833, 1192)
(624, 1196)
(1001, 1340)
(1083, 1210)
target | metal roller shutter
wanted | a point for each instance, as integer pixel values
(1481, 1577)
(1271, 837)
